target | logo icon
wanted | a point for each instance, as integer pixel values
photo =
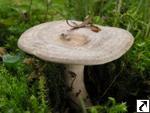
(142, 106)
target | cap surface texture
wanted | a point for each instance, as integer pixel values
(48, 41)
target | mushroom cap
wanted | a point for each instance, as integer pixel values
(54, 41)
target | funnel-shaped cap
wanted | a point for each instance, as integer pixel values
(52, 41)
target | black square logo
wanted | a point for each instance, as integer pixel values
(142, 106)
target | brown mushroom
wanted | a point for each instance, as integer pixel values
(55, 42)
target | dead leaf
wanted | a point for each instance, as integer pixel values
(28, 61)
(95, 28)
(2, 51)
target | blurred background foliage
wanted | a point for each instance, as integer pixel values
(29, 85)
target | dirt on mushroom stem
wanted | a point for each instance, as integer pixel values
(76, 87)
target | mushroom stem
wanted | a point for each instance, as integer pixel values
(75, 83)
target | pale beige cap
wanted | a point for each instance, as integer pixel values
(81, 46)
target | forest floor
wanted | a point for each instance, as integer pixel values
(28, 86)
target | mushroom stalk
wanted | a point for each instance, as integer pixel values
(75, 83)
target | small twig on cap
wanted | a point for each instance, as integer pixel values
(86, 23)
(67, 21)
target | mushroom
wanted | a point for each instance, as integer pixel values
(56, 42)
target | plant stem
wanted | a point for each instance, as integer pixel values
(116, 21)
(30, 8)
(47, 5)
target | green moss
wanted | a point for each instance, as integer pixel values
(13, 92)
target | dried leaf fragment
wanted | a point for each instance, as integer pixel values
(95, 28)
(2, 51)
